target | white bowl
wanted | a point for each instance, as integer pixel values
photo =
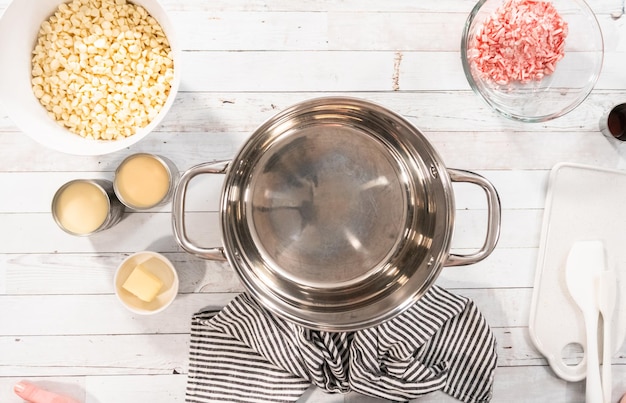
(164, 270)
(19, 28)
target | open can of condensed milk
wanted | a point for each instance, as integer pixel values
(84, 207)
(143, 181)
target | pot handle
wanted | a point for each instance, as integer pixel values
(493, 219)
(178, 210)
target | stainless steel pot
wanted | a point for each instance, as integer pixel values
(337, 214)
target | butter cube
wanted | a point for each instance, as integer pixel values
(143, 284)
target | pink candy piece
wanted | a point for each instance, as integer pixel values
(522, 41)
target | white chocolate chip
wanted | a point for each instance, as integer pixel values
(102, 68)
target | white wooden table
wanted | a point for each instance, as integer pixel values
(60, 323)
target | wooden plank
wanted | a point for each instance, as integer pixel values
(538, 384)
(262, 71)
(73, 314)
(184, 148)
(404, 6)
(153, 354)
(501, 307)
(50, 274)
(282, 31)
(220, 113)
(96, 315)
(379, 30)
(520, 228)
(244, 61)
(203, 192)
(105, 388)
(517, 189)
(465, 112)
(68, 274)
(94, 355)
(508, 150)
(504, 268)
(234, 30)
(166, 354)
(598, 6)
(298, 71)
(43, 274)
(350, 28)
(38, 233)
(170, 388)
(525, 150)
(72, 386)
(136, 388)
(316, 6)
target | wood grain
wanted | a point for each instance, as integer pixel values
(244, 61)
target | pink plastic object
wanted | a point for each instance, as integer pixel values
(34, 394)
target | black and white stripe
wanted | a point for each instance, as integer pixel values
(244, 353)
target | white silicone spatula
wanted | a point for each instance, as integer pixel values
(584, 263)
(607, 295)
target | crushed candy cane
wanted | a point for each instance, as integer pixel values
(522, 41)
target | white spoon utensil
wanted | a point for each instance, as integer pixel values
(607, 295)
(584, 263)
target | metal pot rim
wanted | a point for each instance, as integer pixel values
(283, 225)
(386, 287)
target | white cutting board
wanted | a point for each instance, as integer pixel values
(583, 203)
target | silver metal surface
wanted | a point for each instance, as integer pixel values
(493, 218)
(328, 202)
(613, 123)
(178, 211)
(115, 211)
(337, 214)
(172, 173)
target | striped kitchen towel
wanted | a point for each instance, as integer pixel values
(244, 353)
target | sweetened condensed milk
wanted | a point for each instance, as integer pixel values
(81, 207)
(143, 181)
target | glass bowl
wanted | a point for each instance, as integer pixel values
(554, 94)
